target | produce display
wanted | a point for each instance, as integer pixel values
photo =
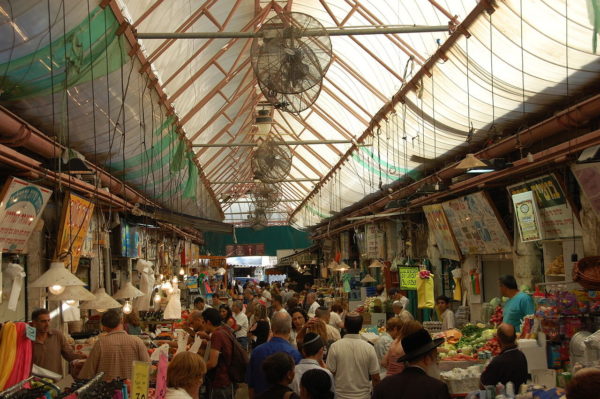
(472, 342)
(497, 315)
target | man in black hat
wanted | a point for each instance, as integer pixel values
(420, 378)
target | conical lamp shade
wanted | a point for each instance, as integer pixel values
(56, 275)
(102, 301)
(73, 293)
(470, 161)
(342, 267)
(368, 279)
(333, 265)
(128, 291)
(376, 263)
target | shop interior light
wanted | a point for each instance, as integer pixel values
(157, 298)
(127, 308)
(72, 294)
(128, 291)
(102, 301)
(376, 264)
(181, 271)
(368, 279)
(263, 122)
(175, 280)
(56, 278)
(470, 161)
(101, 310)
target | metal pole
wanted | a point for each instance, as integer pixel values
(252, 181)
(375, 30)
(293, 142)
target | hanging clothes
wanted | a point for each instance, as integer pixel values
(173, 308)
(425, 292)
(8, 351)
(346, 277)
(146, 285)
(23, 361)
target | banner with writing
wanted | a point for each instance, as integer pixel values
(438, 225)
(408, 277)
(557, 218)
(21, 206)
(527, 216)
(75, 222)
(476, 225)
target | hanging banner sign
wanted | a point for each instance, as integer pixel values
(408, 277)
(375, 240)
(75, 222)
(557, 218)
(588, 176)
(476, 225)
(527, 216)
(245, 250)
(438, 224)
(21, 206)
(140, 380)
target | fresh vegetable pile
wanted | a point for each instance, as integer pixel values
(496, 316)
(474, 339)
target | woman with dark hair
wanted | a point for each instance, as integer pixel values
(315, 384)
(259, 332)
(227, 316)
(299, 318)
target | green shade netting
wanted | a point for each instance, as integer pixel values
(595, 8)
(192, 182)
(90, 49)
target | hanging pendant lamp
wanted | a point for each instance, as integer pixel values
(376, 264)
(470, 161)
(73, 293)
(56, 279)
(368, 279)
(102, 302)
(128, 291)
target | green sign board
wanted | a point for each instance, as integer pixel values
(408, 277)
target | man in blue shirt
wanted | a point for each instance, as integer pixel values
(281, 325)
(518, 305)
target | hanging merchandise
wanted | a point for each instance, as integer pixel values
(21, 205)
(475, 282)
(457, 290)
(15, 272)
(346, 278)
(144, 268)
(173, 308)
(425, 290)
(75, 221)
(22, 366)
(8, 351)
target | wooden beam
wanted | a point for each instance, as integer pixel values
(147, 13)
(349, 97)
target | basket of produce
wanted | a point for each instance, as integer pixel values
(587, 272)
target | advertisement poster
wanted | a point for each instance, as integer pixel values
(75, 222)
(21, 206)
(408, 277)
(438, 224)
(476, 225)
(557, 218)
(130, 239)
(527, 216)
(588, 177)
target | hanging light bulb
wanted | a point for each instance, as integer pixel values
(160, 277)
(71, 302)
(165, 285)
(175, 280)
(57, 289)
(157, 298)
(101, 310)
(181, 271)
(127, 308)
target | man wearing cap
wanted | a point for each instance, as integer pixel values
(312, 351)
(353, 362)
(420, 379)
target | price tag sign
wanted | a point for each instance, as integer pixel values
(408, 278)
(30, 332)
(141, 380)
(161, 377)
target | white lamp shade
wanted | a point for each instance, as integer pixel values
(376, 263)
(73, 293)
(342, 267)
(102, 301)
(333, 265)
(470, 161)
(56, 275)
(128, 291)
(368, 279)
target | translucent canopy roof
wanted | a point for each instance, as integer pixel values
(520, 60)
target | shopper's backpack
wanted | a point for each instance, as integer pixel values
(239, 360)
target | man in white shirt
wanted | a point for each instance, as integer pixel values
(277, 304)
(312, 353)
(311, 302)
(442, 303)
(241, 324)
(333, 334)
(353, 360)
(400, 312)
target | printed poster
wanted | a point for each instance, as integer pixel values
(476, 225)
(438, 224)
(556, 215)
(21, 206)
(527, 216)
(588, 176)
(408, 277)
(75, 222)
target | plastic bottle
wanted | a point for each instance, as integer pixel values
(510, 390)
